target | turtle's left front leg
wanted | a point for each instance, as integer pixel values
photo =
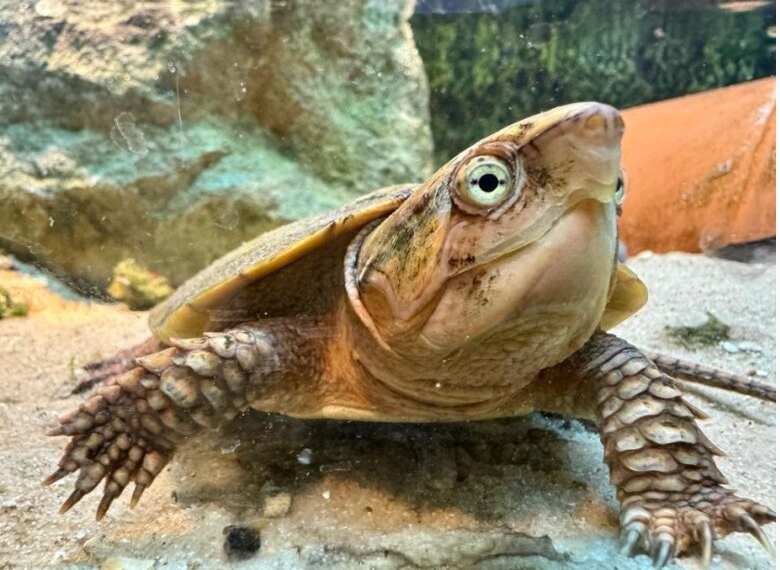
(129, 429)
(671, 493)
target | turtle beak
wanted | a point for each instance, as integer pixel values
(398, 268)
(587, 139)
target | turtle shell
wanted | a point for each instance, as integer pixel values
(297, 269)
(273, 275)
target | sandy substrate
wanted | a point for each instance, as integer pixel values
(481, 495)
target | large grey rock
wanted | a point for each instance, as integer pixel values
(171, 132)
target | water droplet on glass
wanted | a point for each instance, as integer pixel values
(127, 136)
(226, 218)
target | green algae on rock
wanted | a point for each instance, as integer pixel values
(708, 333)
(9, 307)
(138, 287)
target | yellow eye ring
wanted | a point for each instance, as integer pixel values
(485, 182)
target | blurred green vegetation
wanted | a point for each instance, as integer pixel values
(487, 70)
(709, 333)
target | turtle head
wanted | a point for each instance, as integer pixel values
(509, 225)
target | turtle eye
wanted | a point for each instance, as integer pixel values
(620, 189)
(485, 181)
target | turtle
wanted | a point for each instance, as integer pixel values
(486, 291)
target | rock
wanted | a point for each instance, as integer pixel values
(138, 287)
(171, 133)
(277, 505)
(304, 457)
(701, 170)
(241, 542)
(747, 346)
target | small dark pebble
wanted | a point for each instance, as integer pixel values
(241, 542)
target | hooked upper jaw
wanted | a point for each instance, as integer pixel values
(584, 146)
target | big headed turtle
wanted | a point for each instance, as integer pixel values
(483, 292)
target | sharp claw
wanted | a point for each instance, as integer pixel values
(758, 533)
(105, 504)
(662, 554)
(704, 535)
(629, 545)
(56, 476)
(74, 498)
(137, 492)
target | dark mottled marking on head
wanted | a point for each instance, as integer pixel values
(409, 230)
(462, 262)
(539, 175)
(476, 280)
(519, 130)
(419, 207)
(477, 290)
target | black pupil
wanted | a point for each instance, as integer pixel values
(488, 182)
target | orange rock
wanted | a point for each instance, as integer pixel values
(701, 170)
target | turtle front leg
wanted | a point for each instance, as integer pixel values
(129, 429)
(671, 493)
(96, 372)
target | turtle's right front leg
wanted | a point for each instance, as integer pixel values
(672, 494)
(129, 429)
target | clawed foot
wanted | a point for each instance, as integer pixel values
(666, 525)
(112, 438)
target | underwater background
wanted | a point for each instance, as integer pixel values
(140, 141)
(489, 63)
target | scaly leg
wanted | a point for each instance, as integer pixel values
(128, 430)
(96, 372)
(671, 493)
